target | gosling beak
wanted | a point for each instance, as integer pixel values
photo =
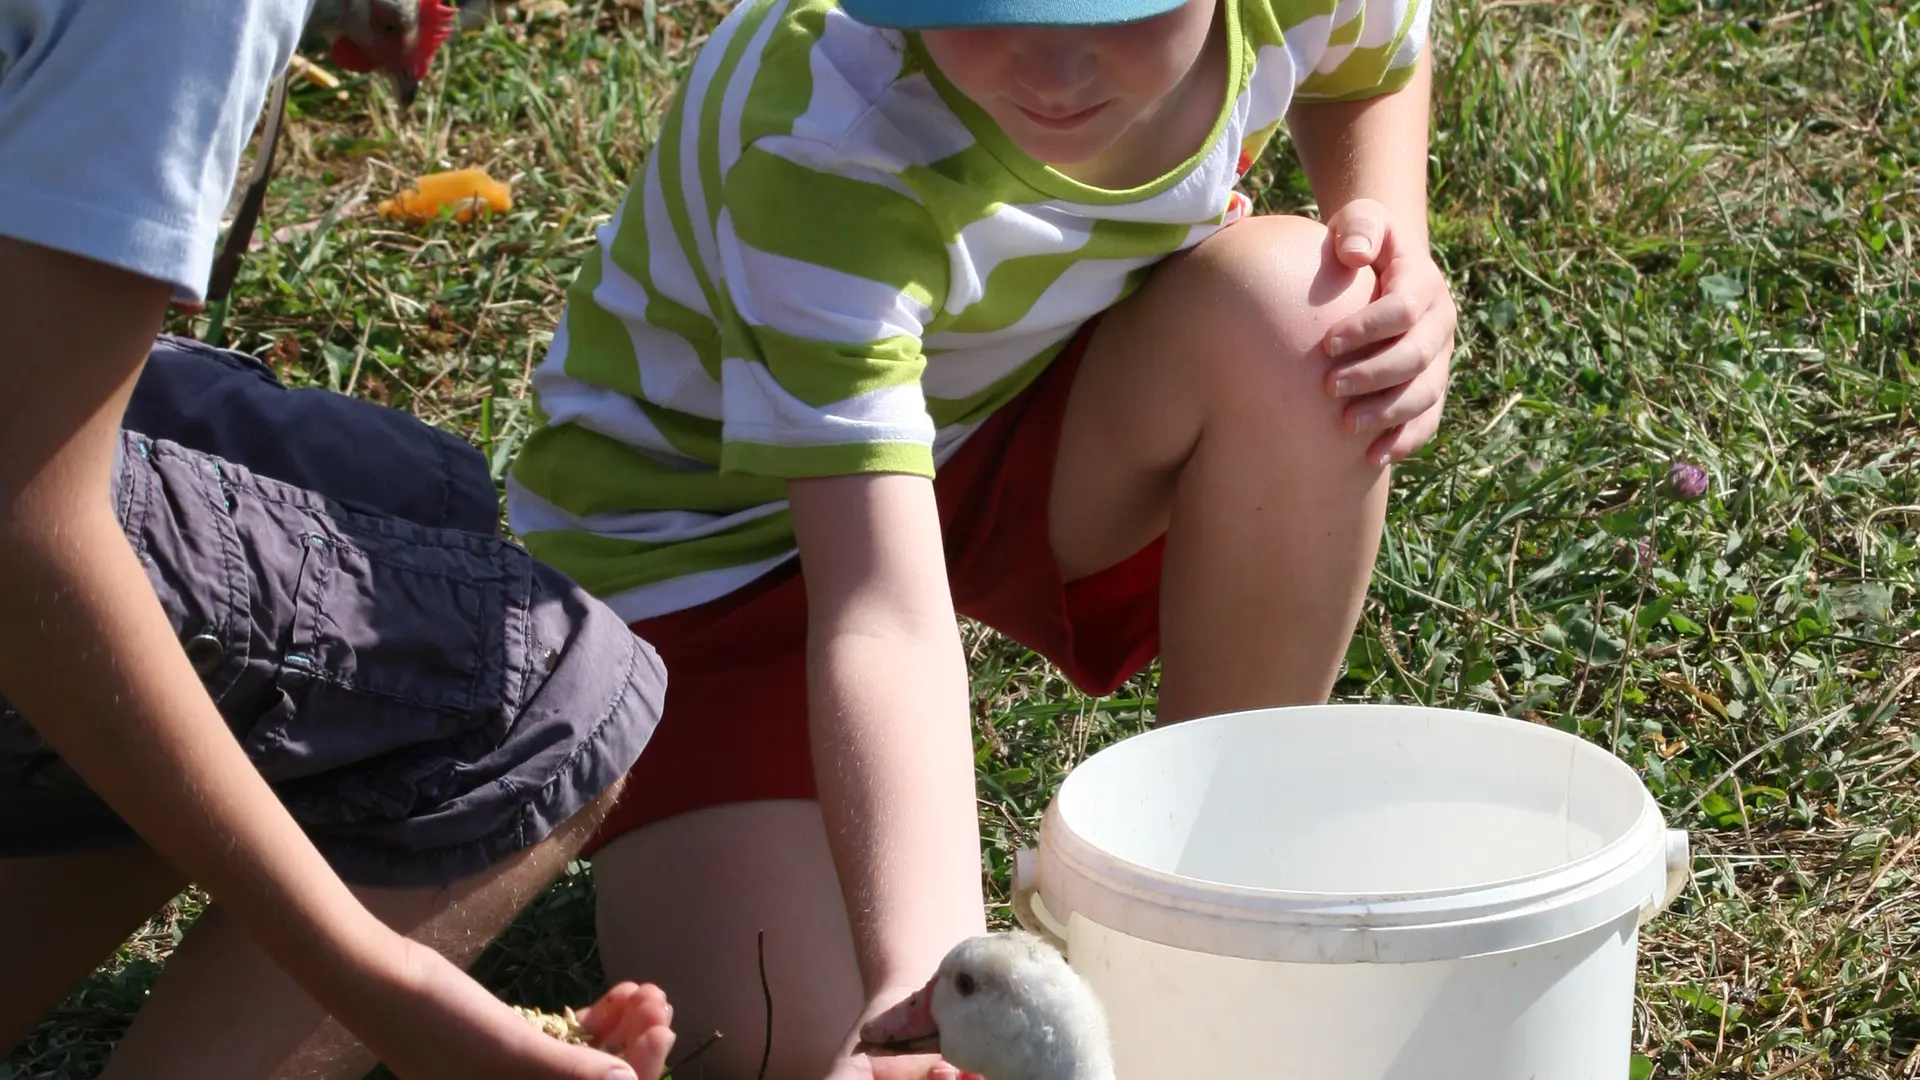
(906, 1028)
(914, 1047)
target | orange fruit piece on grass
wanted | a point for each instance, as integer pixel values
(467, 191)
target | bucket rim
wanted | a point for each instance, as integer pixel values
(1625, 874)
(1629, 841)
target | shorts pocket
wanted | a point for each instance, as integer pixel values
(396, 642)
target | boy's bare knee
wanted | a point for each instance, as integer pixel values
(1277, 286)
(1256, 301)
(763, 867)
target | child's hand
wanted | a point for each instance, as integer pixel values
(434, 1022)
(634, 1022)
(1400, 347)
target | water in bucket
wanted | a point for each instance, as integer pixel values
(1356, 893)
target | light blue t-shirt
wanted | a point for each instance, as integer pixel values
(122, 123)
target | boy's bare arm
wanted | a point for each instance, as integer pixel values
(88, 656)
(1371, 149)
(887, 696)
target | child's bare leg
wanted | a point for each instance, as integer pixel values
(1201, 410)
(222, 1008)
(682, 902)
(60, 918)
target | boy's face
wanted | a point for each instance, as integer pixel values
(1066, 95)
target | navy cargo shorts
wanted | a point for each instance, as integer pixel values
(423, 696)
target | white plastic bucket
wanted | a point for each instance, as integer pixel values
(1356, 892)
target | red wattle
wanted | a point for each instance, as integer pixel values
(348, 54)
(436, 26)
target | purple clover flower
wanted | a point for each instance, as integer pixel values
(1689, 481)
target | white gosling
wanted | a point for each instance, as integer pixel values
(1006, 1007)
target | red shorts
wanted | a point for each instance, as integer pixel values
(734, 725)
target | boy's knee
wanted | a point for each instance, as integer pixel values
(1277, 285)
(1257, 300)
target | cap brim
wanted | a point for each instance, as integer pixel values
(965, 14)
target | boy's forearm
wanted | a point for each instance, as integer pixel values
(1374, 149)
(896, 787)
(887, 701)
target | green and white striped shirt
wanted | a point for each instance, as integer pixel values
(836, 264)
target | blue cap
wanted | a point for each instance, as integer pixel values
(957, 14)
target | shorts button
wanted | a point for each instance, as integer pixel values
(205, 652)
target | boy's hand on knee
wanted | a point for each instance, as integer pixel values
(1398, 348)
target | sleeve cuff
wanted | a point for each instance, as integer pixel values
(804, 462)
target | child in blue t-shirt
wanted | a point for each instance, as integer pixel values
(259, 639)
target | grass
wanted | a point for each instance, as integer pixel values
(1678, 231)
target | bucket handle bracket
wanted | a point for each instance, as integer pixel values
(1028, 909)
(1679, 860)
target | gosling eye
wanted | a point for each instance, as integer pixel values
(964, 983)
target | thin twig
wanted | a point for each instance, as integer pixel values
(1792, 1067)
(1458, 610)
(1887, 703)
(1501, 414)
(766, 991)
(1864, 642)
(674, 1070)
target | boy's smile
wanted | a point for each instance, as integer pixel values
(1112, 101)
(1055, 120)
